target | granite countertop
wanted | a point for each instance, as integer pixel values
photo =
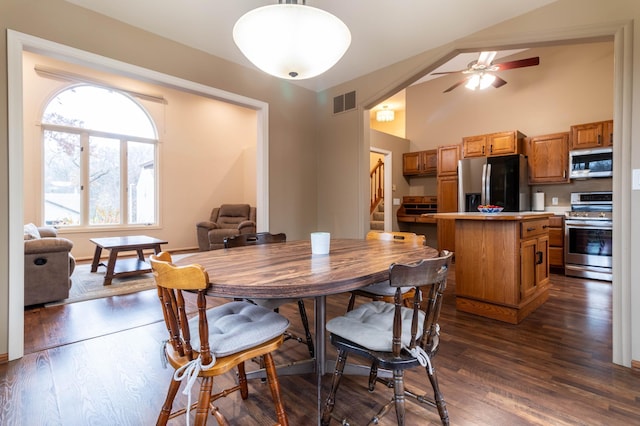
(493, 216)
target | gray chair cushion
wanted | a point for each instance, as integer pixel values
(371, 325)
(236, 326)
(383, 289)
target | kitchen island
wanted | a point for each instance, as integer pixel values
(501, 263)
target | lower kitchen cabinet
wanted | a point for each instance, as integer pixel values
(556, 242)
(502, 267)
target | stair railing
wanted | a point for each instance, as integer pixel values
(376, 191)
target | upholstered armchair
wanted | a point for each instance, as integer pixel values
(225, 221)
(48, 265)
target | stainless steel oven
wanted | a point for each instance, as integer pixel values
(588, 236)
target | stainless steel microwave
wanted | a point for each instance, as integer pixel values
(591, 163)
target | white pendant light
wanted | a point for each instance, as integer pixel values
(291, 41)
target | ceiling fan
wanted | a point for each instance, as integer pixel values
(480, 73)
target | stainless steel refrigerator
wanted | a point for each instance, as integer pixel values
(501, 181)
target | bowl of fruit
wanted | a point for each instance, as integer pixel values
(490, 208)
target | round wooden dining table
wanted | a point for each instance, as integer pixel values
(289, 270)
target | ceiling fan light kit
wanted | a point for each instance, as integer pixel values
(291, 41)
(480, 81)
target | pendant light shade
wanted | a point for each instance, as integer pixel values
(291, 41)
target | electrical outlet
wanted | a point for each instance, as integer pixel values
(554, 201)
(396, 201)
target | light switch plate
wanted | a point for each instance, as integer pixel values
(635, 183)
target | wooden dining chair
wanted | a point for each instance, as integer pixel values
(395, 337)
(268, 238)
(212, 343)
(381, 290)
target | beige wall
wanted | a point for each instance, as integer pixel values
(207, 154)
(572, 85)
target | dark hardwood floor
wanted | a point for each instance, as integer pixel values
(99, 363)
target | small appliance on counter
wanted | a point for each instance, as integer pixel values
(537, 201)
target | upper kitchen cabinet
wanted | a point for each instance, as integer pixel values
(592, 135)
(548, 158)
(501, 143)
(420, 163)
(448, 157)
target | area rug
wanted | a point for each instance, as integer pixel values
(87, 285)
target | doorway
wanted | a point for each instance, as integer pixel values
(386, 157)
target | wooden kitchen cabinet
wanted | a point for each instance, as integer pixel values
(592, 135)
(502, 269)
(447, 202)
(548, 158)
(493, 144)
(534, 261)
(420, 163)
(474, 146)
(448, 157)
(556, 242)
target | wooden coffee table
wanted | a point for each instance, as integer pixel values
(124, 267)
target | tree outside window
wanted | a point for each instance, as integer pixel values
(99, 150)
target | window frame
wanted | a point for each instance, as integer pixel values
(85, 135)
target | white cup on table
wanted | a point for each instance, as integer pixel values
(320, 242)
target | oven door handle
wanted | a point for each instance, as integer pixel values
(589, 224)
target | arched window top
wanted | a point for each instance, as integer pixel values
(100, 109)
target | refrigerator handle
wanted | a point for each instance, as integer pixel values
(486, 184)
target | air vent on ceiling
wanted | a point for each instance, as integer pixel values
(344, 102)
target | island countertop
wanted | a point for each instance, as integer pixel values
(491, 216)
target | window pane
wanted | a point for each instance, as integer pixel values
(61, 178)
(141, 182)
(101, 109)
(104, 181)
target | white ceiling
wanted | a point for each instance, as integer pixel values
(383, 32)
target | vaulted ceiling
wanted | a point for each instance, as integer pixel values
(383, 32)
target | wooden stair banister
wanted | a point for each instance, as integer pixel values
(376, 190)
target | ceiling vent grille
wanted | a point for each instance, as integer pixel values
(344, 102)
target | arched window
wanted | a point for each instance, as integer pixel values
(99, 162)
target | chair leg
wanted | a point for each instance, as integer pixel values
(335, 383)
(373, 376)
(352, 302)
(305, 323)
(242, 381)
(438, 397)
(274, 385)
(398, 395)
(165, 412)
(204, 398)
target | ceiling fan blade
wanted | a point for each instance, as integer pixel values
(447, 72)
(455, 85)
(486, 58)
(529, 62)
(498, 82)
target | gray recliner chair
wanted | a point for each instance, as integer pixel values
(48, 265)
(225, 221)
